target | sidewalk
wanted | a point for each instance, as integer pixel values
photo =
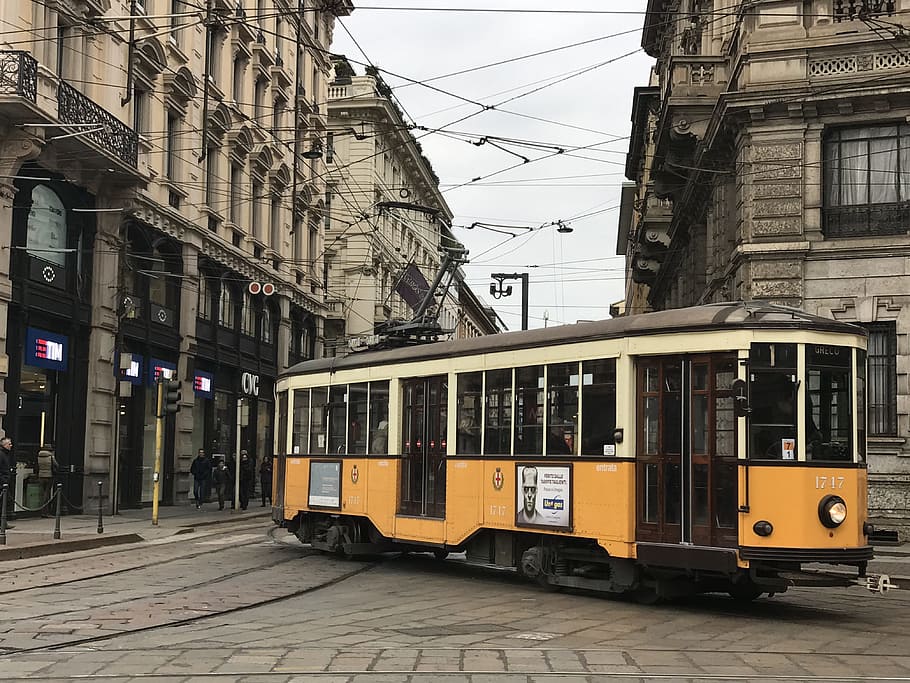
(34, 537)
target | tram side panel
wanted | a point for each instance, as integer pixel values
(789, 499)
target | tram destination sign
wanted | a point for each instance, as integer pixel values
(826, 354)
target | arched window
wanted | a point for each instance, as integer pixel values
(248, 322)
(47, 226)
(204, 306)
(266, 325)
(226, 307)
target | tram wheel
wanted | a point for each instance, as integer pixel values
(646, 595)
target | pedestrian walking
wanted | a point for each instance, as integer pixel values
(7, 470)
(265, 480)
(47, 469)
(201, 469)
(220, 477)
(247, 475)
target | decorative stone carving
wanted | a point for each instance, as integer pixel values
(772, 270)
(768, 191)
(777, 171)
(777, 207)
(768, 289)
(775, 227)
(792, 150)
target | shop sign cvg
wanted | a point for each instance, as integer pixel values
(249, 384)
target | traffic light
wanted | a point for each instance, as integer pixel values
(171, 396)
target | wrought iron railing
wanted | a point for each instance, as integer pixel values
(18, 74)
(846, 10)
(111, 133)
(867, 220)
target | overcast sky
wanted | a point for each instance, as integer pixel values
(587, 104)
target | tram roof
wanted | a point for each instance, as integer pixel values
(734, 315)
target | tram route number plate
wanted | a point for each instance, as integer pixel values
(829, 482)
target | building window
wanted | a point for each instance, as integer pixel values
(170, 151)
(278, 118)
(266, 334)
(275, 221)
(882, 379)
(226, 307)
(211, 174)
(204, 305)
(327, 212)
(256, 218)
(867, 181)
(140, 110)
(259, 100)
(313, 256)
(248, 321)
(238, 81)
(46, 237)
(176, 9)
(234, 211)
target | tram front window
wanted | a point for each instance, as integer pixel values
(829, 418)
(773, 423)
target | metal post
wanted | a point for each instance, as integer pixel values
(59, 495)
(159, 433)
(3, 495)
(237, 457)
(524, 301)
(100, 521)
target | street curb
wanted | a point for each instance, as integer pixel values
(60, 547)
(229, 520)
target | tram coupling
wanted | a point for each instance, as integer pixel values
(877, 583)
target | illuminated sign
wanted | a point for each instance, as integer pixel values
(203, 384)
(161, 368)
(45, 349)
(130, 366)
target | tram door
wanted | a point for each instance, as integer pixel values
(422, 485)
(686, 471)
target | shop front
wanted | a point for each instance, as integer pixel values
(48, 328)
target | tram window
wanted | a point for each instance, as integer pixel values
(724, 417)
(338, 418)
(776, 356)
(529, 410)
(598, 407)
(281, 446)
(379, 418)
(318, 402)
(562, 408)
(468, 415)
(829, 416)
(861, 404)
(672, 492)
(652, 493)
(672, 408)
(301, 433)
(773, 421)
(651, 411)
(357, 418)
(498, 425)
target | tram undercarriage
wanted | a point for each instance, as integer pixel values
(581, 564)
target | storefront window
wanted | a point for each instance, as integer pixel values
(357, 419)
(379, 418)
(300, 437)
(264, 416)
(36, 423)
(47, 226)
(222, 443)
(198, 435)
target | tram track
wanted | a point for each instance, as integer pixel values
(136, 567)
(173, 623)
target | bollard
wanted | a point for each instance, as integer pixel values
(100, 522)
(59, 495)
(3, 514)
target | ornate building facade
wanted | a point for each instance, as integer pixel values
(158, 216)
(388, 220)
(771, 157)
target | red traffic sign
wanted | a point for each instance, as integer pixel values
(254, 288)
(268, 289)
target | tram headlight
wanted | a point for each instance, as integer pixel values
(762, 528)
(832, 511)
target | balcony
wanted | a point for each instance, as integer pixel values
(867, 220)
(18, 74)
(110, 135)
(848, 10)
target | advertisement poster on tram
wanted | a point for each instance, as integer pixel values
(325, 484)
(544, 496)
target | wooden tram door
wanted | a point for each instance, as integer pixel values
(686, 471)
(422, 486)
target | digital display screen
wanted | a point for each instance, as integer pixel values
(203, 384)
(161, 368)
(45, 349)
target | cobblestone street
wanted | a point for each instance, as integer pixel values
(249, 603)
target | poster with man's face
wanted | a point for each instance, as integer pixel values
(544, 496)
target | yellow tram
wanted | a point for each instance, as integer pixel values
(714, 448)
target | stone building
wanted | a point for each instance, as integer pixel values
(386, 219)
(771, 153)
(158, 216)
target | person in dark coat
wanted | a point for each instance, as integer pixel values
(265, 480)
(201, 469)
(231, 462)
(7, 470)
(221, 477)
(247, 474)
